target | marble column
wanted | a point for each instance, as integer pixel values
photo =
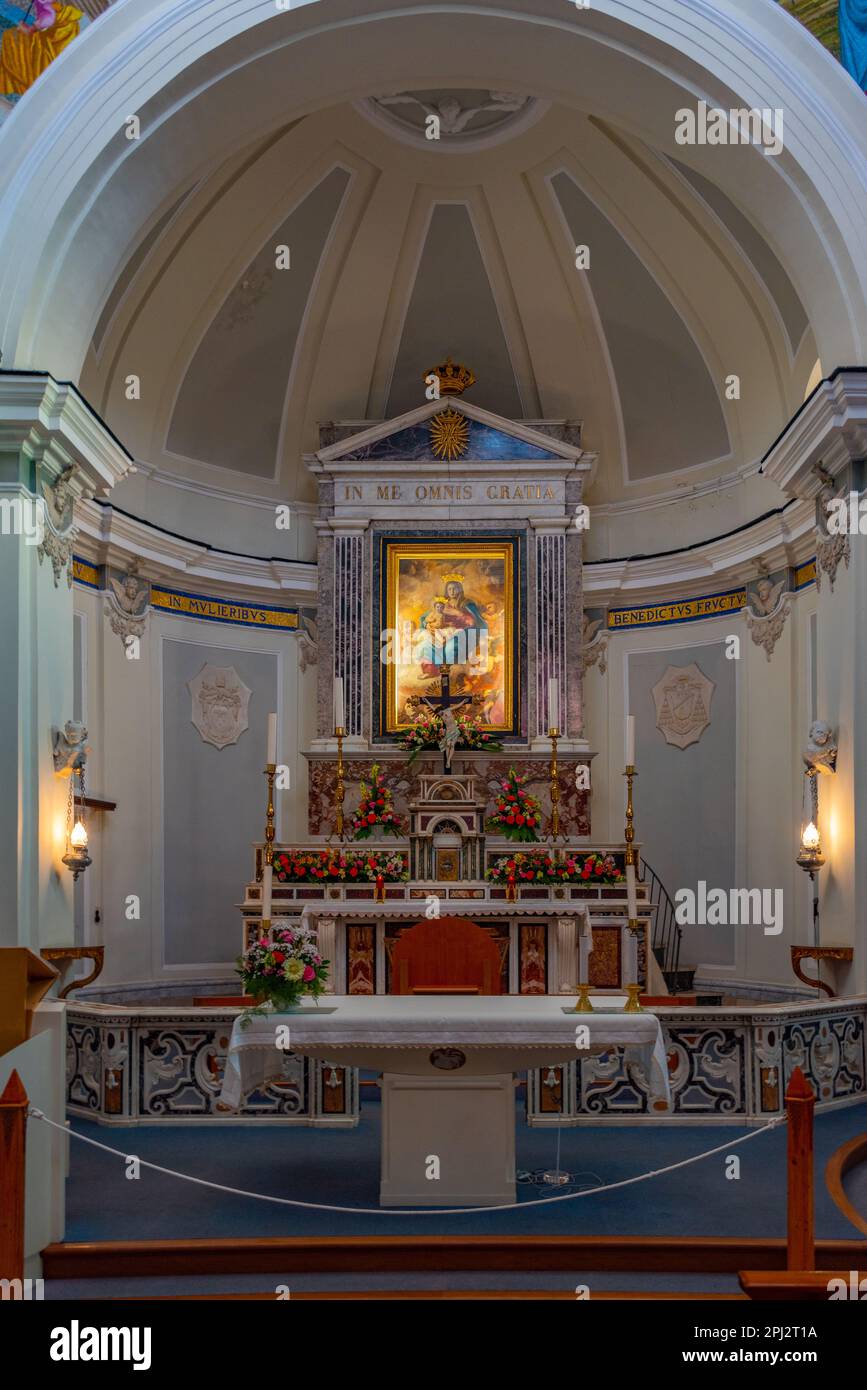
(556, 621)
(344, 627)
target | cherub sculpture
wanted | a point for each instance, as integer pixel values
(766, 596)
(820, 755)
(130, 592)
(70, 747)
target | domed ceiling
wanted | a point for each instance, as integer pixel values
(579, 272)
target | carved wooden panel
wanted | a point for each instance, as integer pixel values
(360, 963)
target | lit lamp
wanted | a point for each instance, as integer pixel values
(76, 857)
(810, 856)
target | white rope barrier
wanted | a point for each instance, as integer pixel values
(414, 1211)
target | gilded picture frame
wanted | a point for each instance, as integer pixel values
(453, 601)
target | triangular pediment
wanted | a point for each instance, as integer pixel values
(490, 439)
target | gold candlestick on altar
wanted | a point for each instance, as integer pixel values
(270, 773)
(268, 861)
(340, 789)
(633, 990)
(554, 734)
(583, 1004)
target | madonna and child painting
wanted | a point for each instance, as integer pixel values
(449, 606)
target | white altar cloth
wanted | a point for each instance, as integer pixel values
(412, 1035)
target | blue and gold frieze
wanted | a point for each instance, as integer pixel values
(217, 610)
(214, 610)
(85, 573)
(805, 574)
(688, 610)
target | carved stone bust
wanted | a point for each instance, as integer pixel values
(820, 754)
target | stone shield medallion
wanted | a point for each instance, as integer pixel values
(220, 703)
(682, 699)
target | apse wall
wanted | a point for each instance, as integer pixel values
(726, 806)
(179, 840)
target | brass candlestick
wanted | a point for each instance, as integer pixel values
(633, 1003)
(629, 835)
(583, 1004)
(270, 832)
(340, 789)
(270, 773)
(553, 735)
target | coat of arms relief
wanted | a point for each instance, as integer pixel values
(220, 704)
(682, 699)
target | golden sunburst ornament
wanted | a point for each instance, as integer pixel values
(449, 434)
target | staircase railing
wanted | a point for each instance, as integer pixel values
(666, 932)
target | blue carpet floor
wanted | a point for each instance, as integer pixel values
(342, 1167)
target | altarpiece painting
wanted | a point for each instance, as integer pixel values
(455, 603)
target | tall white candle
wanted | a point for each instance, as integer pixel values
(631, 895)
(630, 740)
(553, 703)
(267, 877)
(339, 711)
(584, 946)
(272, 739)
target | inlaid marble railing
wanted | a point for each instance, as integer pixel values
(724, 1064)
(132, 1064)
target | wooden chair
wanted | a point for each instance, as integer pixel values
(446, 955)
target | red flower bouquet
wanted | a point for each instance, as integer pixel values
(345, 865)
(426, 731)
(539, 866)
(375, 811)
(518, 815)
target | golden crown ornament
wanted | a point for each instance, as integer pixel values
(454, 377)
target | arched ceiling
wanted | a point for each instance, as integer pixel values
(394, 256)
(716, 276)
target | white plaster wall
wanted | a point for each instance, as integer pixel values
(772, 715)
(125, 719)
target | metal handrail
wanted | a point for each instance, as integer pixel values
(666, 932)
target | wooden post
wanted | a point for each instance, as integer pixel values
(13, 1127)
(800, 1101)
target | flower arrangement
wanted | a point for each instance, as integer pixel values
(375, 811)
(365, 866)
(281, 967)
(426, 731)
(518, 815)
(539, 866)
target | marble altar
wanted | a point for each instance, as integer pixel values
(448, 1066)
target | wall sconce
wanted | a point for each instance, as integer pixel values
(811, 857)
(820, 757)
(76, 857)
(69, 749)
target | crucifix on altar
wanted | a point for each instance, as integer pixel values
(446, 706)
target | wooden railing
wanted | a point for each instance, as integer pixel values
(800, 1280)
(13, 1128)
